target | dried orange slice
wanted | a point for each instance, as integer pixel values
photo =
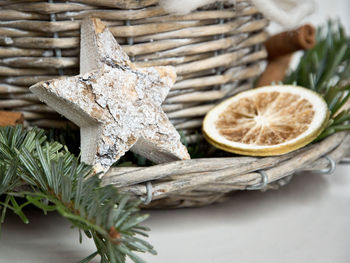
(270, 120)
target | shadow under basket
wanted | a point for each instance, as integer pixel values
(216, 51)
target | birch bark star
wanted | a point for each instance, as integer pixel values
(116, 105)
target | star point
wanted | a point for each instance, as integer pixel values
(116, 105)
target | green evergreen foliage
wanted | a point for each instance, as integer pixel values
(59, 182)
(326, 69)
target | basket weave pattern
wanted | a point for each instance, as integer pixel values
(216, 51)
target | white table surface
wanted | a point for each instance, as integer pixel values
(306, 221)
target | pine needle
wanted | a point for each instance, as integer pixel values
(61, 183)
(326, 69)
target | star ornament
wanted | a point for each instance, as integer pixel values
(116, 105)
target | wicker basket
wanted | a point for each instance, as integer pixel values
(216, 51)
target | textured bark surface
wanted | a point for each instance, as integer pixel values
(116, 105)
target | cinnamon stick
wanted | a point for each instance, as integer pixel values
(280, 49)
(275, 71)
(8, 118)
(288, 42)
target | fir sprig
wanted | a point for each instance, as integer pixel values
(326, 69)
(59, 182)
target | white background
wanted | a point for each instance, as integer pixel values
(306, 221)
(327, 9)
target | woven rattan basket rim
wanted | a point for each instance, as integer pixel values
(205, 181)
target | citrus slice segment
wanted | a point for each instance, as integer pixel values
(270, 120)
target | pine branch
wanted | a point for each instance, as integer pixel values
(326, 70)
(60, 183)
